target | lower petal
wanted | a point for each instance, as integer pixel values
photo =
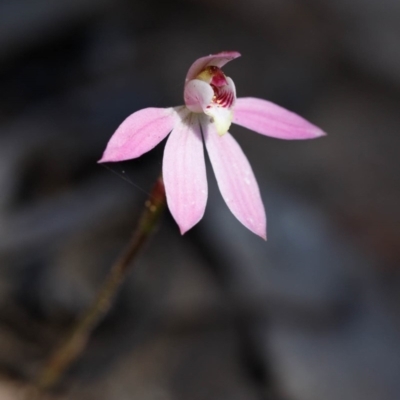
(235, 179)
(269, 119)
(184, 173)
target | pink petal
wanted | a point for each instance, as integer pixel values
(269, 119)
(235, 179)
(184, 173)
(198, 95)
(140, 132)
(218, 60)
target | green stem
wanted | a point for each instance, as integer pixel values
(63, 357)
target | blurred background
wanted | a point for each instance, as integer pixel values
(216, 314)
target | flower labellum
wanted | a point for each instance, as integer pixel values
(210, 108)
(213, 94)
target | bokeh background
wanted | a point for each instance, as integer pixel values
(217, 314)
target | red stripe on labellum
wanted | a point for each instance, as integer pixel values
(223, 96)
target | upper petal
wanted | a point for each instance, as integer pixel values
(184, 173)
(235, 179)
(269, 119)
(140, 132)
(219, 60)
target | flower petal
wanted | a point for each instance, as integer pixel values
(198, 95)
(184, 173)
(219, 60)
(269, 119)
(235, 179)
(140, 132)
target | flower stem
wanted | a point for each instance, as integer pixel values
(63, 357)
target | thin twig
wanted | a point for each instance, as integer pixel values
(64, 356)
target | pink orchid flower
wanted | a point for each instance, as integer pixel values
(210, 108)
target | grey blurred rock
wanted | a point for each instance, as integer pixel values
(328, 321)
